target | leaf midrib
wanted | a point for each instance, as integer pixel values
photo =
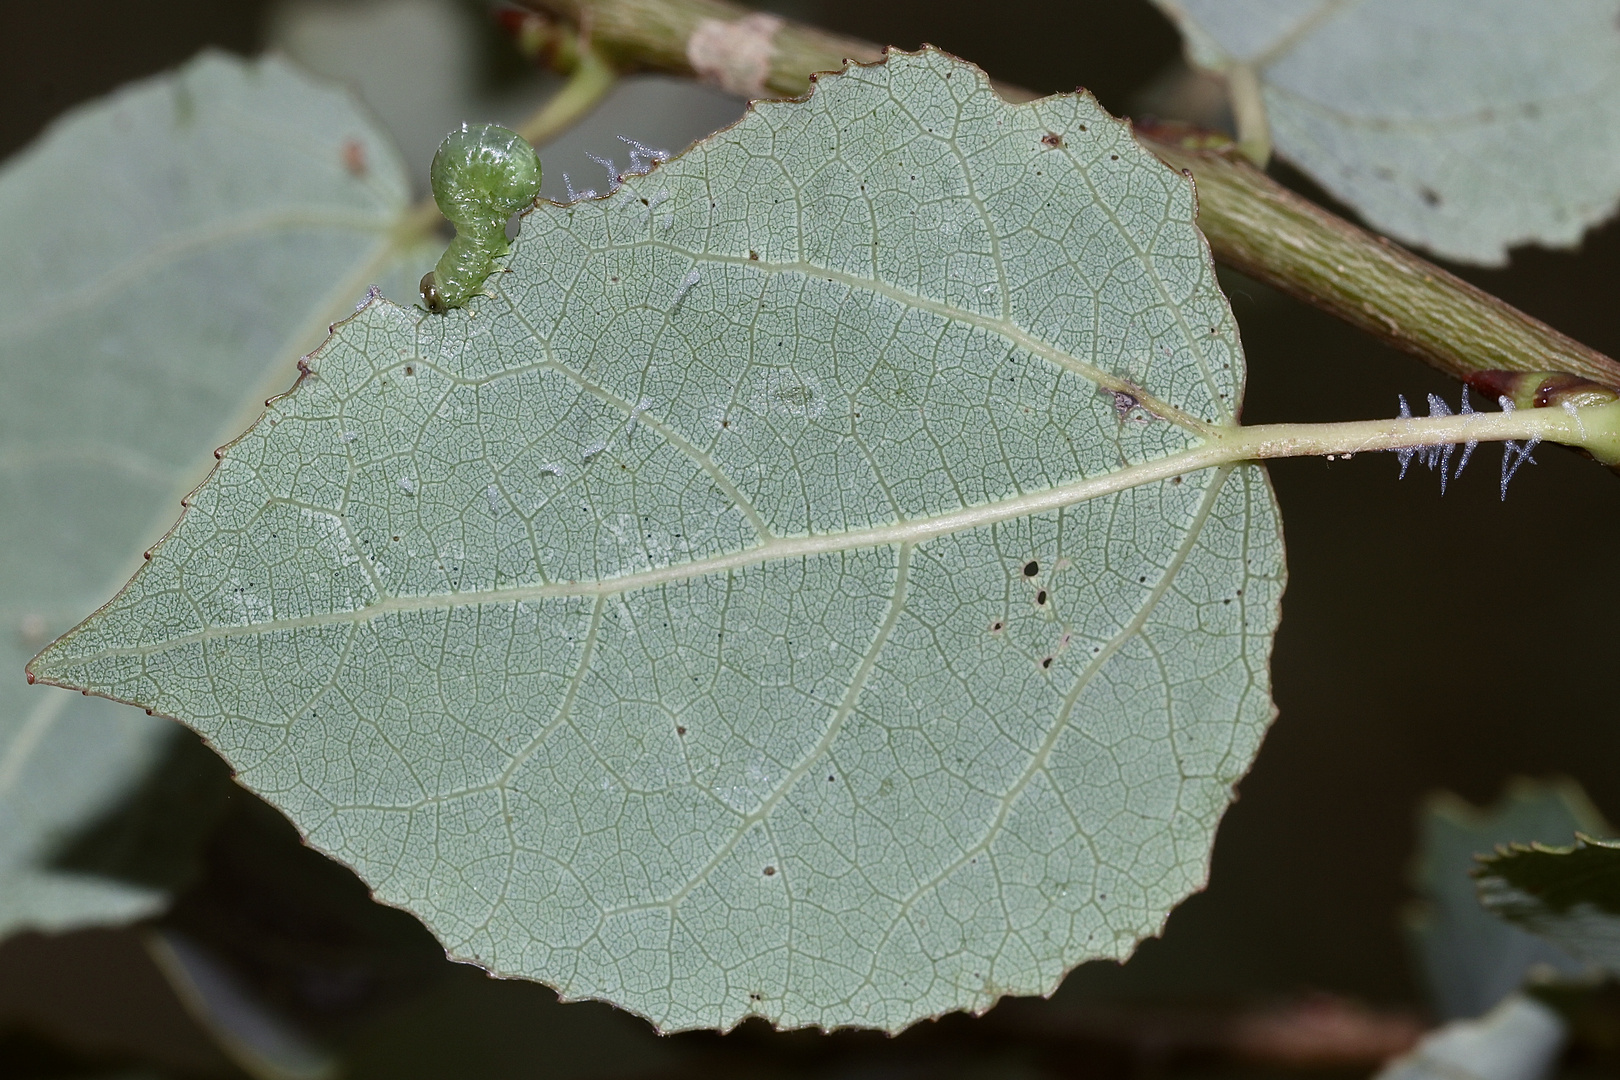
(914, 531)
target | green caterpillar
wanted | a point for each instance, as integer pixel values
(481, 176)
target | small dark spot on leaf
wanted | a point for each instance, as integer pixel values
(1031, 568)
(354, 157)
(997, 627)
(1084, 128)
(1430, 196)
(1141, 579)
(410, 370)
(1040, 598)
(680, 730)
(770, 871)
(1113, 157)
(754, 255)
(1052, 139)
(829, 779)
(1046, 662)
(1175, 479)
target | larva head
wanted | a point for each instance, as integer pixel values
(482, 174)
(430, 293)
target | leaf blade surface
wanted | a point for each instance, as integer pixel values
(740, 610)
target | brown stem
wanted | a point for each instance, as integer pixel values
(1254, 224)
(689, 37)
(1257, 226)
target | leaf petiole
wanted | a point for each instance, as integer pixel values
(590, 80)
(1595, 429)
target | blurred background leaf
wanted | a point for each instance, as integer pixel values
(1470, 959)
(173, 249)
(1568, 895)
(1519, 1039)
(1461, 126)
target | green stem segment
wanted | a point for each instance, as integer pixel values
(589, 81)
(1595, 429)
(1253, 224)
(590, 77)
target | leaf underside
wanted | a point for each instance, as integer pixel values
(1462, 126)
(734, 613)
(172, 248)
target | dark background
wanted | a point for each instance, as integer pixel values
(1426, 643)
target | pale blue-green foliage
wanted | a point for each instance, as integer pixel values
(728, 615)
(171, 249)
(1464, 126)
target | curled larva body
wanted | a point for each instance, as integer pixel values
(481, 175)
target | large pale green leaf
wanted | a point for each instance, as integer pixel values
(765, 601)
(171, 250)
(1462, 126)
(1569, 895)
(1471, 959)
